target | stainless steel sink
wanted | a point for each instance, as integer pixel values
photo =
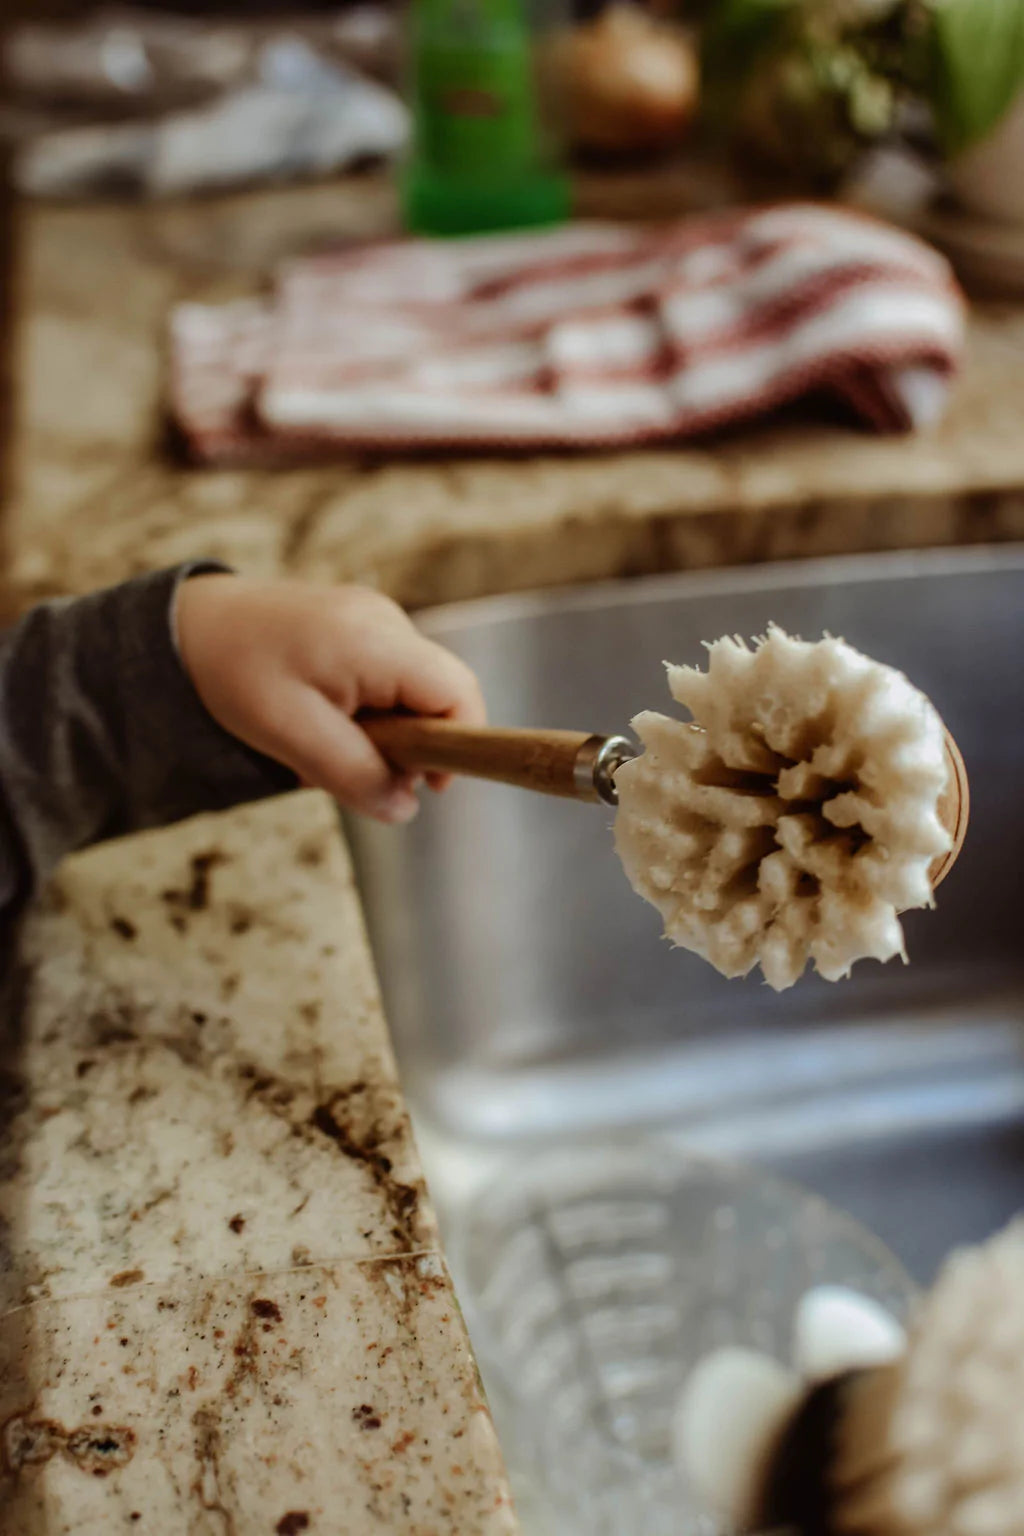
(531, 995)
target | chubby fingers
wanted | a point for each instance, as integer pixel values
(436, 682)
(331, 752)
(400, 669)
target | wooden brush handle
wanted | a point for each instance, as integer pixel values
(538, 760)
(563, 763)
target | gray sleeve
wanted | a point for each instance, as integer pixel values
(102, 732)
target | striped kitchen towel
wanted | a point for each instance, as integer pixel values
(588, 336)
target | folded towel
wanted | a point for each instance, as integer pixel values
(588, 336)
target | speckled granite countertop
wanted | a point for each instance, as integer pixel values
(97, 499)
(223, 1307)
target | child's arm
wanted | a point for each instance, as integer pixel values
(194, 690)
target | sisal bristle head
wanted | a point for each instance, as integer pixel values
(957, 1424)
(801, 817)
(930, 1443)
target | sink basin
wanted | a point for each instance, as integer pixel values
(532, 997)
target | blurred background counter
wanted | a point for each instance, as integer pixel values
(96, 495)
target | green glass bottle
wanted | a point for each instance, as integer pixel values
(483, 155)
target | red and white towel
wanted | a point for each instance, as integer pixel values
(588, 336)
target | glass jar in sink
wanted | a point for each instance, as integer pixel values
(595, 1277)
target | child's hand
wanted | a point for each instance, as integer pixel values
(285, 667)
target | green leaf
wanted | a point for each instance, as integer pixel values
(978, 66)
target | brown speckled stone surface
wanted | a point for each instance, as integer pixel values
(223, 1308)
(97, 498)
(223, 1311)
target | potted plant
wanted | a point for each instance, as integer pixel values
(976, 89)
(805, 87)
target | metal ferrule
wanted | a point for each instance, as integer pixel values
(596, 764)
